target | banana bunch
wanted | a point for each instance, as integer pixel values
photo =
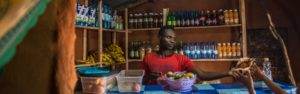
(93, 58)
(116, 53)
(107, 59)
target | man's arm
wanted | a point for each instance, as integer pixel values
(203, 75)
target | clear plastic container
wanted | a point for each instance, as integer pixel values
(130, 80)
(98, 85)
(95, 85)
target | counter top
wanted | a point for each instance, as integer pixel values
(232, 88)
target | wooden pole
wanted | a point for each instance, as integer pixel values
(244, 28)
(100, 34)
(65, 76)
(126, 38)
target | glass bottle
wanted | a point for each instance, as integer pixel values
(145, 20)
(130, 21)
(150, 20)
(233, 50)
(228, 50)
(226, 17)
(238, 50)
(224, 48)
(220, 50)
(230, 15)
(202, 19)
(221, 17)
(236, 16)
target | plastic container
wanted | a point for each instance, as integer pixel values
(95, 85)
(130, 80)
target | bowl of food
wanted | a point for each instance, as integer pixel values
(180, 81)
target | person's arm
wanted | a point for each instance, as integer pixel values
(275, 88)
(203, 75)
(245, 77)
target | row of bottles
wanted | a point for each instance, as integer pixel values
(202, 18)
(110, 18)
(86, 15)
(209, 50)
(193, 50)
(145, 20)
(138, 49)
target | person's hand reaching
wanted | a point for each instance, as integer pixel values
(256, 72)
(244, 76)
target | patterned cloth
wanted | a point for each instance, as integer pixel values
(233, 88)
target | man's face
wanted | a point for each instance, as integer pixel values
(167, 41)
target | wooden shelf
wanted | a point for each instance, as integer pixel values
(87, 27)
(94, 64)
(194, 27)
(112, 30)
(215, 59)
(135, 60)
(139, 60)
(144, 29)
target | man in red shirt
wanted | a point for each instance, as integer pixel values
(165, 60)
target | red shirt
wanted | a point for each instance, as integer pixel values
(175, 62)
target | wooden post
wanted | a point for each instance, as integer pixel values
(85, 39)
(126, 38)
(65, 76)
(244, 28)
(100, 33)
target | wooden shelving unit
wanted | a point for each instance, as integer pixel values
(241, 26)
(100, 31)
(193, 27)
(87, 27)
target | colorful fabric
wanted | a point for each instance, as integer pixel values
(233, 88)
(10, 40)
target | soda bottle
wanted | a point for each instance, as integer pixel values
(169, 19)
(183, 17)
(236, 16)
(145, 20)
(135, 20)
(196, 18)
(220, 50)
(226, 17)
(215, 50)
(202, 19)
(150, 20)
(214, 17)
(130, 22)
(208, 18)
(178, 19)
(228, 50)
(156, 20)
(221, 17)
(224, 48)
(238, 50)
(140, 20)
(187, 19)
(192, 16)
(131, 51)
(161, 19)
(231, 18)
(173, 19)
(233, 50)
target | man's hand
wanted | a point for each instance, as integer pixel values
(162, 80)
